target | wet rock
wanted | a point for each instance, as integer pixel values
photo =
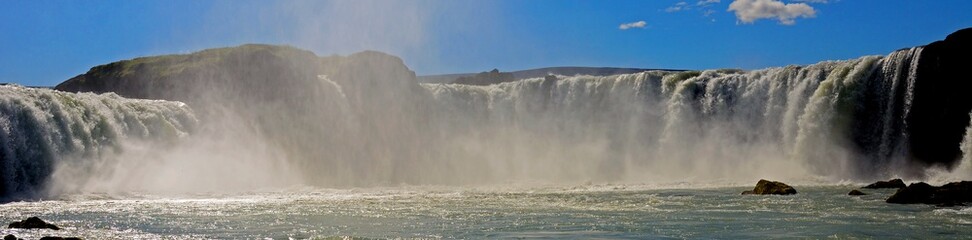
(764, 187)
(33, 222)
(60, 238)
(11, 237)
(894, 183)
(856, 192)
(915, 193)
(951, 194)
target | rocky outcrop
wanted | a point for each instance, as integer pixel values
(764, 187)
(940, 109)
(856, 192)
(955, 193)
(486, 78)
(60, 238)
(893, 183)
(11, 237)
(243, 76)
(360, 106)
(33, 223)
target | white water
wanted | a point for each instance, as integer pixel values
(964, 170)
(49, 134)
(967, 149)
(792, 123)
(828, 122)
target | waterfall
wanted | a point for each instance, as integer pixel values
(836, 119)
(42, 128)
(363, 121)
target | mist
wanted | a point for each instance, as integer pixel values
(274, 117)
(271, 117)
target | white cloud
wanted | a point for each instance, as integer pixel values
(638, 24)
(678, 7)
(748, 11)
(708, 2)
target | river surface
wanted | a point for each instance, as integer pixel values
(582, 212)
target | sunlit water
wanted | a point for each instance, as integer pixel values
(598, 211)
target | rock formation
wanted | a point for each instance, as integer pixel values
(955, 193)
(32, 223)
(894, 183)
(764, 187)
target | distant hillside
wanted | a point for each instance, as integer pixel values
(486, 78)
(541, 72)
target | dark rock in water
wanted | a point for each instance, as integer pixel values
(764, 187)
(951, 194)
(856, 193)
(33, 222)
(894, 183)
(915, 193)
(11, 237)
(59, 238)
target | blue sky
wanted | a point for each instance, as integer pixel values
(45, 42)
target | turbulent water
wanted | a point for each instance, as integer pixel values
(462, 161)
(582, 212)
(50, 134)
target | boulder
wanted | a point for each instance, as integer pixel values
(894, 183)
(11, 237)
(856, 192)
(951, 194)
(60, 238)
(764, 187)
(31, 223)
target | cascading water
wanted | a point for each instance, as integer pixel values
(717, 124)
(278, 116)
(41, 129)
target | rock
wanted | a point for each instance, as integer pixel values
(951, 194)
(914, 193)
(939, 112)
(11, 237)
(31, 223)
(894, 183)
(59, 238)
(856, 193)
(764, 187)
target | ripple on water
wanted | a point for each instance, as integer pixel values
(429, 212)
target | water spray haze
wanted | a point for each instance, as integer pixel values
(267, 116)
(274, 116)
